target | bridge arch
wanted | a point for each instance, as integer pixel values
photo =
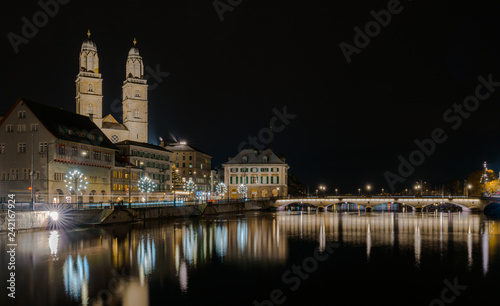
(445, 206)
(296, 205)
(492, 210)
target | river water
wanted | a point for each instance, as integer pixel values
(263, 258)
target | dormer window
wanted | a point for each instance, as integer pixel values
(265, 159)
(244, 159)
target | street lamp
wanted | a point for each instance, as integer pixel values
(468, 188)
(359, 191)
(336, 192)
(368, 187)
(322, 188)
(382, 191)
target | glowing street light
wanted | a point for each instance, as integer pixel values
(322, 188)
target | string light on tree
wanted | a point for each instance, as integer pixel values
(75, 181)
(221, 189)
(242, 190)
(146, 185)
(190, 186)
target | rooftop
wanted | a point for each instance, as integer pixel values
(66, 125)
(254, 156)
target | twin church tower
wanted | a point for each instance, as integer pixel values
(134, 95)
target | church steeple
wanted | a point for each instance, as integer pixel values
(135, 97)
(89, 82)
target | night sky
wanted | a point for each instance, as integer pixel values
(225, 78)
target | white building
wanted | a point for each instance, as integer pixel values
(55, 142)
(262, 172)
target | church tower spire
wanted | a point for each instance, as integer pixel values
(89, 83)
(135, 97)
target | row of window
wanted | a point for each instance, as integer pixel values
(255, 169)
(190, 165)
(154, 176)
(75, 151)
(254, 180)
(21, 128)
(244, 159)
(148, 164)
(150, 155)
(15, 175)
(121, 187)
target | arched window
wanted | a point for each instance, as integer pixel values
(264, 159)
(244, 159)
(137, 70)
(137, 94)
(91, 109)
(136, 113)
(91, 87)
(90, 63)
(84, 62)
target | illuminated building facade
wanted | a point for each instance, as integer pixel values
(52, 142)
(262, 172)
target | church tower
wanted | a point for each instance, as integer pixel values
(135, 97)
(89, 83)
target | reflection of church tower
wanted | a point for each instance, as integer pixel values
(89, 83)
(135, 97)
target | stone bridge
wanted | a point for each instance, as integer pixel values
(418, 203)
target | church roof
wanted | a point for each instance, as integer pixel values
(255, 156)
(66, 125)
(133, 52)
(109, 122)
(88, 44)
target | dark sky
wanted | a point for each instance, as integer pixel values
(225, 78)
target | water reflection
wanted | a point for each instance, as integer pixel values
(53, 243)
(76, 278)
(170, 255)
(146, 258)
